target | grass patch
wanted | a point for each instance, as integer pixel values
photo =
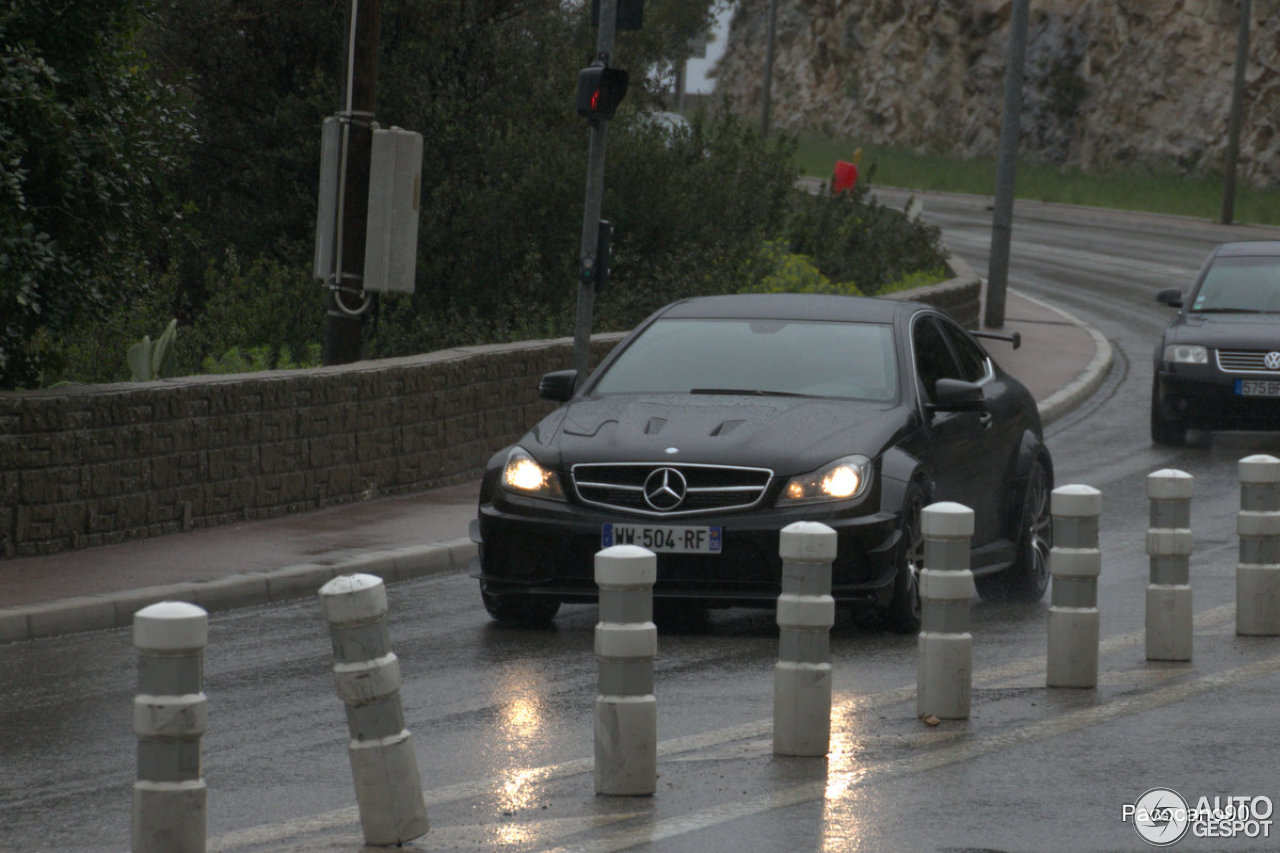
(1197, 196)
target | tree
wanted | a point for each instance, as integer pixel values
(97, 111)
(88, 138)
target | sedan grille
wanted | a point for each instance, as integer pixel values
(668, 490)
(1248, 361)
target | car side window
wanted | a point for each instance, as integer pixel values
(933, 357)
(973, 360)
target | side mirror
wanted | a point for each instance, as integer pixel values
(558, 385)
(956, 395)
(1170, 296)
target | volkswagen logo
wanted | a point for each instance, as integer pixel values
(1272, 360)
(664, 489)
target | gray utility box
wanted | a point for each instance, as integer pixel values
(395, 187)
(327, 209)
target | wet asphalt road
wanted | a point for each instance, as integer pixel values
(502, 717)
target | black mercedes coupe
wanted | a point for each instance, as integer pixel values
(720, 420)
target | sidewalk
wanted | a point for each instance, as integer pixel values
(1061, 361)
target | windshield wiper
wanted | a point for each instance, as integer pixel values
(746, 392)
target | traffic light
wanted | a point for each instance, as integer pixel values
(600, 90)
(604, 255)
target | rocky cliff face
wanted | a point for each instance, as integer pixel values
(1109, 83)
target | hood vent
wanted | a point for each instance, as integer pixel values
(727, 427)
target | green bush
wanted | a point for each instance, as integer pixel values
(254, 359)
(854, 238)
(260, 304)
(782, 271)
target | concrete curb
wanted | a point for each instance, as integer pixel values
(115, 610)
(1087, 381)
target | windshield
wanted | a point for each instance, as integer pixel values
(1245, 284)
(791, 357)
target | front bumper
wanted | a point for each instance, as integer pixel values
(542, 548)
(1204, 397)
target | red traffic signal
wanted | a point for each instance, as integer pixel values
(600, 90)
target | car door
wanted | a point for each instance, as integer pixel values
(963, 450)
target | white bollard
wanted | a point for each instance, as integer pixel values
(170, 714)
(1075, 563)
(626, 642)
(1258, 524)
(944, 677)
(367, 676)
(806, 612)
(1169, 545)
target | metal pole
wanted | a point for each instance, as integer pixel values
(766, 98)
(1006, 167)
(347, 302)
(1258, 570)
(806, 612)
(944, 668)
(594, 203)
(366, 674)
(1169, 545)
(170, 714)
(681, 83)
(626, 642)
(1075, 563)
(1236, 118)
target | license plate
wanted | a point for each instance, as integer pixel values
(663, 540)
(1257, 388)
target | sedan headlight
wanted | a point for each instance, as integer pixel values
(1185, 354)
(522, 474)
(841, 480)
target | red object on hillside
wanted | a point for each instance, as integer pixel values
(845, 177)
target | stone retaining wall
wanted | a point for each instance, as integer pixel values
(98, 464)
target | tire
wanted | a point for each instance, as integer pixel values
(1165, 432)
(518, 609)
(1028, 577)
(902, 616)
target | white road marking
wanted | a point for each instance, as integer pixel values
(748, 740)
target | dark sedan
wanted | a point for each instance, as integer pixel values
(1217, 366)
(722, 419)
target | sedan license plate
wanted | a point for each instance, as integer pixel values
(1257, 388)
(663, 540)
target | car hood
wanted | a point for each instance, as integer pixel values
(1226, 331)
(788, 434)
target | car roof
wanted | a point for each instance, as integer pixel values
(1248, 248)
(792, 306)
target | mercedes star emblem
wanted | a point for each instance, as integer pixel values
(664, 489)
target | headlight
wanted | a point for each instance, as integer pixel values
(524, 475)
(841, 480)
(1185, 354)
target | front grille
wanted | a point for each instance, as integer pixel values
(689, 489)
(1244, 361)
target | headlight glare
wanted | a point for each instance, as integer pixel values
(1186, 354)
(523, 474)
(843, 479)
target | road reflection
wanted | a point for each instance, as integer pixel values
(843, 823)
(522, 724)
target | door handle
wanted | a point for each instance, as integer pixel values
(985, 419)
